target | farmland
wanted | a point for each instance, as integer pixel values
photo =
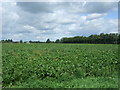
(60, 65)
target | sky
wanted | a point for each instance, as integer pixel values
(55, 20)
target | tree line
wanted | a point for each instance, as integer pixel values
(112, 38)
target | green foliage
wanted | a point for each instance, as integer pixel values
(7, 41)
(57, 41)
(48, 41)
(21, 41)
(112, 38)
(59, 65)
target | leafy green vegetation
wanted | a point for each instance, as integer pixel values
(60, 65)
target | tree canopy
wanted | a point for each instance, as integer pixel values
(112, 38)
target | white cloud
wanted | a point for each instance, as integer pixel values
(95, 16)
(39, 21)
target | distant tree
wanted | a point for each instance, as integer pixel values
(118, 41)
(112, 38)
(48, 41)
(9, 40)
(51, 41)
(57, 41)
(37, 41)
(21, 41)
(3, 41)
(30, 41)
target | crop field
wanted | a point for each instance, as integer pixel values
(50, 65)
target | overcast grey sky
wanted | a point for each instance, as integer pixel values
(54, 20)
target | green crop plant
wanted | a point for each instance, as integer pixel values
(48, 65)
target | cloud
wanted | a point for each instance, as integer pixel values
(73, 7)
(95, 16)
(54, 20)
(99, 7)
(35, 7)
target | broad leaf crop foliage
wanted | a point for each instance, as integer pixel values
(39, 63)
